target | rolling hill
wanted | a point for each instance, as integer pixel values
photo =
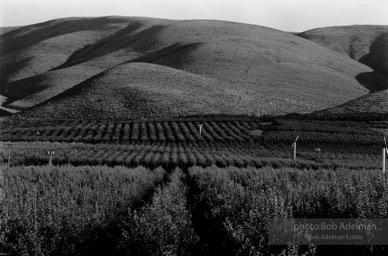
(4, 30)
(376, 102)
(364, 43)
(129, 67)
(354, 41)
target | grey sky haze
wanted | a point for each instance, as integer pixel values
(291, 15)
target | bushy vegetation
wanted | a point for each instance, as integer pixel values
(215, 129)
(224, 141)
(206, 211)
(70, 210)
(184, 155)
(232, 207)
(168, 155)
(126, 132)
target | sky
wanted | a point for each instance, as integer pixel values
(287, 15)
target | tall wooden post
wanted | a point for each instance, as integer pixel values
(35, 219)
(294, 145)
(295, 150)
(384, 158)
(50, 153)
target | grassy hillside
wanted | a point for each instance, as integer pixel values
(376, 102)
(140, 90)
(4, 30)
(35, 49)
(118, 67)
(353, 41)
(31, 91)
(366, 44)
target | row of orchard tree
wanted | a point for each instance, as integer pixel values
(184, 155)
(126, 132)
(205, 211)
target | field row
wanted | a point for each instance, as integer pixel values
(374, 140)
(95, 132)
(183, 155)
(146, 154)
(311, 133)
(98, 210)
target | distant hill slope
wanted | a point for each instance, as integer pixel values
(4, 30)
(367, 44)
(119, 67)
(376, 102)
(140, 90)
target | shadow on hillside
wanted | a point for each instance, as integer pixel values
(175, 54)
(373, 81)
(28, 36)
(377, 59)
(49, 30)
(129, 37)
(6, 69)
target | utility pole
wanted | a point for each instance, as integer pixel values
(318, 151)
(384, 157)
(35, 219)
(294, 146)
(50, 153)
(385, 152)
(200, 129)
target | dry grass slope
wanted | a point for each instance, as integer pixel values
(353, 41)
(4, 30)
(364, 43)
(376, 102)
(140, 90)
(119, 67)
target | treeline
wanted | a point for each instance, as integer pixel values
(354, 117)
(102, 211)
(231, 131)
(185, 155)
(126, 132)
(323, 126)
(152, 155)
(20, 121)
(232, 207)
(64, 211)
(323, 138)
(329, 134)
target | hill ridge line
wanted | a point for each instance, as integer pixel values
(287, 73)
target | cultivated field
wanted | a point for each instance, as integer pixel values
(119, 211)
(162, 187)
(171, 143)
